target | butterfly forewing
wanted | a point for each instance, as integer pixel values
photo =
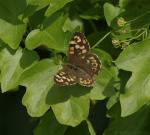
(78, 46)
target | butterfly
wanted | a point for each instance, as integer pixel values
(81, 65)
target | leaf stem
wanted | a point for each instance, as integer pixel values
(99, 41)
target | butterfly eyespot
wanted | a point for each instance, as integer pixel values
(94, 69)
(94, 64)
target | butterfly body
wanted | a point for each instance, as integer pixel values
(81, 64)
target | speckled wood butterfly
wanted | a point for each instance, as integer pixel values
(81, 64)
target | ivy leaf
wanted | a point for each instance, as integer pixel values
(72, 25)
(13, 19)
(136, 124)
(12, 65)
(55, 5)
(72, 111)
(49, 125)
(51, 35)
(137, 93)
(110, 12)
(38, 80)
(12, 26)
(94, 13)
(34, 5)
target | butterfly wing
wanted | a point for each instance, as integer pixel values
(65, 76)
(78, 46)
(81, 65)
(70, 75)
(84, 78)
(91, 64)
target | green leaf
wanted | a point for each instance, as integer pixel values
(136, 124)
(103, 86)
(12, 65)
(51, 35)
(72, 25)
(69, 103)
(12, 26)
(94, 13)
(38, 80)
(112, 100)
(137, 93)
(85, 128)
(48, 125)
(55, 5)
(90, 127)
(72, 111)
(110, 12)
(137, 13)
(35, 5)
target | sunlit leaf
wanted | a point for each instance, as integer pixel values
(13, 63)
(38, 80)
(137, 93)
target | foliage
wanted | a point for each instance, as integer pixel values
(118, 32)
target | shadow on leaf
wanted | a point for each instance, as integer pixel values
(59, 94)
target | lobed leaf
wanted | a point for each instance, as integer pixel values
(73, 111)
(38, 80)
(13, 64)
(51, 35)
(135, 59)
(136, 124)
(56, 5)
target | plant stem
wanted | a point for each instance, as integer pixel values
(99, 41)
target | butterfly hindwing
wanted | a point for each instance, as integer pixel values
(84, 78)
(65, 76)
(92, 64)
